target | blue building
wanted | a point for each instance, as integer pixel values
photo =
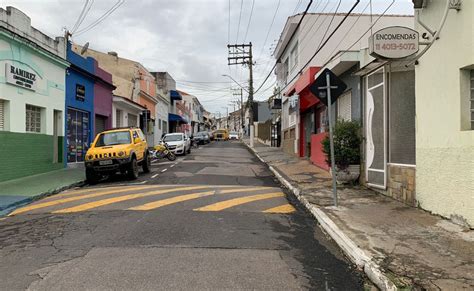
(80, 79)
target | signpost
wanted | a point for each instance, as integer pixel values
(328, 87)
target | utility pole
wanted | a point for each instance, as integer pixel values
(241, 54)
(241, 121)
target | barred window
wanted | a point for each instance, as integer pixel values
(33, 119)
(2, 115)
(472, 100)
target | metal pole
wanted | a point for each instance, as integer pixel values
(331, 141)
(241, 123)
(250, 63)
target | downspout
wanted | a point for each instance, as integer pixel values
(436, 34)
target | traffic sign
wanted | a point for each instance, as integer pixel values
(319, 86)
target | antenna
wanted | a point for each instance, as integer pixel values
(84, 48)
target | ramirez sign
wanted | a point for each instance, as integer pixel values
(395, 42)
(20, 77)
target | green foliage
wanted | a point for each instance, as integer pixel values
(346, 144)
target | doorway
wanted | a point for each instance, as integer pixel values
(57, 144)
(376, 123)
(77, 135)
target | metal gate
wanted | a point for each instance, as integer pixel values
(376, 124)
(276, 134)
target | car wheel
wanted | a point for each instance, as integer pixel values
(189, 150)
(146, 163)
(91, 176)
(132, 171)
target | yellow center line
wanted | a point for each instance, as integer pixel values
(95, 204)
(285, 208)
(74, 198)
(173, 200)
(238, 201)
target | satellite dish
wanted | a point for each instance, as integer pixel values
(84, 48)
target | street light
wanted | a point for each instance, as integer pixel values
(224, 75)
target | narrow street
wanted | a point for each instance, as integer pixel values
(214, 219)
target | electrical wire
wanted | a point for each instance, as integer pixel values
(101, 18)
(76, 24)
(297, 6)
(250, 19)
(330, 22)
(269, 29)
(228, 26)
(240, 17)
(286, 46)
(84, 16)
(313, 34)
(369, 29)
(323, 45)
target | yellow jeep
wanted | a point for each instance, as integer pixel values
(118, 150)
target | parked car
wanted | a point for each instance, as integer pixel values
(221, 134)
(234, 135)
(202, 137)
(118, 150)
(179, 143)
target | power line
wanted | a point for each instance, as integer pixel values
(269, 29)
(76, 24)
(101, 18)
(369, 29)
(250, 19)
(317, 29)
(297, 6)
(322, 46)
(228, 26)
(240, 17)
(330, 22)
(294, 32)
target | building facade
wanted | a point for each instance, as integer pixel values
(79, 124)
(103, 96)
(32, 97)
(445, 114)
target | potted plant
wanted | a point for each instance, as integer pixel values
(347, 141)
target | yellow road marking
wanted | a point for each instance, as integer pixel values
(238, 201)
(74, 198)
(156, 204)
(72, 192)
(164, 202)
(286, 208)
(98, 203)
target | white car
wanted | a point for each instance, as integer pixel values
(234, 135)
(179, 143)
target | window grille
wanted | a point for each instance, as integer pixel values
(33, 119)
(344, 106)
(2, 115)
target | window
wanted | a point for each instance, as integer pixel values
(118, 118)
(165, 126)
(113, 138)
(344, 106)
(294, 56)
(2, 115)
(33, 119)
(159, 124)
(285, 71)
(472, 99)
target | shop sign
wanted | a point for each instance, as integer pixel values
(20, 77)
(395, 42)
(80, 92)
(293, 102)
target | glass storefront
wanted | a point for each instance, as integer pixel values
(77, 135)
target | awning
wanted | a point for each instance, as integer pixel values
(301, 88)
(174, 95)
(176, 118)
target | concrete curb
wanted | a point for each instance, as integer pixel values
(349, 247)
(4, 210)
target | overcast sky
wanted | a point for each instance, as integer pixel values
(187, 38)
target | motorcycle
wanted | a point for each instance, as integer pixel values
(161, 151)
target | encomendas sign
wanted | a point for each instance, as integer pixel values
(394, 42)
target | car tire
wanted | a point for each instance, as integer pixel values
(92, 177)
(132, 171)
(146, 164)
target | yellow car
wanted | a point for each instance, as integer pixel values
(221, 134)
(118, 150)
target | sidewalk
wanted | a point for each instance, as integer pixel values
(396, 245)
(17, 192)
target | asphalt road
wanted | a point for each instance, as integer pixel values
(215, 219)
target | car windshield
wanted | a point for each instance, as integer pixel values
(233, 132)
(113, 138)
(173, 137)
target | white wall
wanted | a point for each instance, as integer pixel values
(444, 144)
